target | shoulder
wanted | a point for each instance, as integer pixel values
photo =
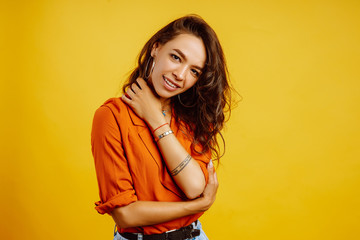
(118, 112)
(112, 106)
(110, 119)
(110, 113)
(116, 105)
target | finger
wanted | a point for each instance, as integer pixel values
(216, 180)
(135, 88)
(141, 82)
(211, 172)
(210, 166)
(126, 94)
(130, 93)
(126, 98)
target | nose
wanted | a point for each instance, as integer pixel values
(180, 72)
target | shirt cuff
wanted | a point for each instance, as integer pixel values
(119, 200)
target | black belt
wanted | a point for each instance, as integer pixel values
(179, 234)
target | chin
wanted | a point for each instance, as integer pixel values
(162, 95)
(165, 94)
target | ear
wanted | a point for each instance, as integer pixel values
(155, 49)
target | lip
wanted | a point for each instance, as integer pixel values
(167, 86)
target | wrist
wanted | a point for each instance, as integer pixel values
(197, 205)
(162, 125)
(193, 206)
(155, 121)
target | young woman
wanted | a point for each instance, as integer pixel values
(153, 146)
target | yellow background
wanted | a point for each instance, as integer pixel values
(291, 169)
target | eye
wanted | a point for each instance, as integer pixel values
(175, 57)
(196, 73)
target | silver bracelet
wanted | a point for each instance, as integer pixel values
(181, 166)
(164, 135)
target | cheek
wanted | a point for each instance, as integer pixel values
(191, 82)
(164, 65)
(156, 69)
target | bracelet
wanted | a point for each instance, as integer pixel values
(159, 127)
(164, 135)
(181, 166)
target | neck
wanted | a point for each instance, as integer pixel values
(165, 104)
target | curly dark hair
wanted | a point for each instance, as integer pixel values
(201, 109)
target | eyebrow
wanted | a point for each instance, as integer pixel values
(184, 57)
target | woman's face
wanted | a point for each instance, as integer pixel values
(178, 65)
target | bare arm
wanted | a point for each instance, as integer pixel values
(142, 213)
(190, 178)
(185, 170)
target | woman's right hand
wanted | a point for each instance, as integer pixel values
(144, 102)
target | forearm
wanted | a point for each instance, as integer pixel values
(188, 176)
(143, 213)
(147, 106)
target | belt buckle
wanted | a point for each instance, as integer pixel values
(194, 233)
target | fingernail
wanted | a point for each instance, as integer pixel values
(211, 163)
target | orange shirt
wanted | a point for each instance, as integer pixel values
(129, 166)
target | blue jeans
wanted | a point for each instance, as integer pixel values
(202, 235)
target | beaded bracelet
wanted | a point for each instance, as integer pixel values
(164, 135)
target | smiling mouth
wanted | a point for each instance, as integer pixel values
(170, 83)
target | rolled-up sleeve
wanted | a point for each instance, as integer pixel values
(112, 170)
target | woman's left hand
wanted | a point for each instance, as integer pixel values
(144, 102)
